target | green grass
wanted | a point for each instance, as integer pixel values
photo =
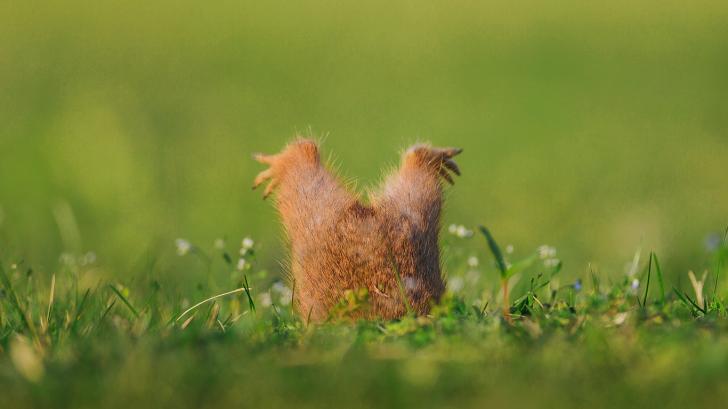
(81, 341)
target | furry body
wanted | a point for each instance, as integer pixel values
(338, 243)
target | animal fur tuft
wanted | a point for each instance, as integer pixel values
(338, 244)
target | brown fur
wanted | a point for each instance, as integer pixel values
(338, 243)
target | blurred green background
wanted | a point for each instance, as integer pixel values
(597, 128)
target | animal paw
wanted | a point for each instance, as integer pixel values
(439, 160)
(267, 174)
(298, 153)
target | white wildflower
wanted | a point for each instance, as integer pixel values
(509, 249)
(242, 263)
(551, 262)
(67, 259)
(546, 252)
(88, 258)
(183, 246)
(620, 318)
(459, 231)
(286, 298)
(220, 244)
(473, 261)
(285, 294)
(455, 284)
(247, 243)
(635, 284)
(463, 232)
(265, 300)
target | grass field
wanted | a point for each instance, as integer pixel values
(633, 342)
(126, 130)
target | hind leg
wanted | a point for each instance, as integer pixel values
(438, 160)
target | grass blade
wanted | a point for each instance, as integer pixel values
(647, 286)
(79, 310)
(50, 299)
(214, 297)
(124, 300)
(105, 313)
(246, 287)
(660, 279)
(499, 259)
(687, 300)
(15, 302)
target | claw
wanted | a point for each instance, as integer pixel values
(266, 174)
(262, 177)
(269, 189)
(450, 164)
(446, 176)
(449, 152)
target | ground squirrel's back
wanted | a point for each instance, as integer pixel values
(337, 243)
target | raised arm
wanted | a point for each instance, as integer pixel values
(309, 197)
(414, 191)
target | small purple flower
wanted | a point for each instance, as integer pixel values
(712, 242)
(577, 285)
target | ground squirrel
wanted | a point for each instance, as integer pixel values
(338, 243)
